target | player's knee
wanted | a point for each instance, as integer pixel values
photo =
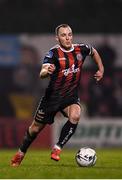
(74, 118)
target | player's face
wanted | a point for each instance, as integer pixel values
(64, 37)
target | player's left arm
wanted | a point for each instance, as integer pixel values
(96, 57)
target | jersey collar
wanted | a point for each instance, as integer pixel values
(64, 50)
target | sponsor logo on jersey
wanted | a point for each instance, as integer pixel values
(70, 70)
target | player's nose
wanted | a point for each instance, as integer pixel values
(67, 37)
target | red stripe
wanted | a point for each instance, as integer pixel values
(62, 66)
(80, 63)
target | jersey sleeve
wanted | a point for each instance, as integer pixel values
(49, 58)
(87, 50)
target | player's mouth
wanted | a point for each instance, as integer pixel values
(68, 42)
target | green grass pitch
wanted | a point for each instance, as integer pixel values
(38, 165)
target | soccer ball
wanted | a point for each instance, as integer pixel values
(86, 157)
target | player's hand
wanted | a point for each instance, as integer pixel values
(98, 75)
(51, 68)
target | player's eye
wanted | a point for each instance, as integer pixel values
(70, 34)
(63, 35)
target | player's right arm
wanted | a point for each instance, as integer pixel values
(48, 66)
(46, 70)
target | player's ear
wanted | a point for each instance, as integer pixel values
(56, 37)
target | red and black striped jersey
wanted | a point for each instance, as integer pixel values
(65, 80)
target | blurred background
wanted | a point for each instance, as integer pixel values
(26, 34)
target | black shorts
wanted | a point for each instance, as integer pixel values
(47, 110)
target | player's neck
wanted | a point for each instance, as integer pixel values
(67, 50)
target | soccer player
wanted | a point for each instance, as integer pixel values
(63, 64)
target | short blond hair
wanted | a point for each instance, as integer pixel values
(60, 26)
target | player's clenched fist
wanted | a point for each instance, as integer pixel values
(51, 68)
(46, 70)
(98, 75)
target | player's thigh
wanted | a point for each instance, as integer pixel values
(66, 111)
(74, 113)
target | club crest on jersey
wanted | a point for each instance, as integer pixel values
(70, 70)
(79, 57)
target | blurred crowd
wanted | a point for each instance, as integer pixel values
(104, 98)
(21, 87)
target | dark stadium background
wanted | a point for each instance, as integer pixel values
(26, 28)
(41, 16)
